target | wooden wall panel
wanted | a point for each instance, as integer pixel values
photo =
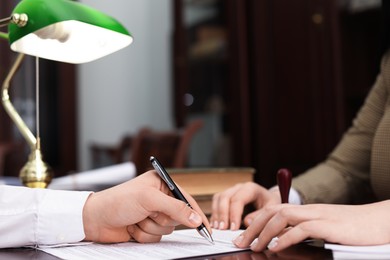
(296, 83)
(298, 72)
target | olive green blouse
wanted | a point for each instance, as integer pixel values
(359, 166)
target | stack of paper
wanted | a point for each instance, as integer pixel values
(179, 244)
(359, 252)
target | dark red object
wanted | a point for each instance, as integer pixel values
(284, 182)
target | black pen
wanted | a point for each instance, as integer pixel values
(178, 195)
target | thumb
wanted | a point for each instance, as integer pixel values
(186, 215)
(177, 210)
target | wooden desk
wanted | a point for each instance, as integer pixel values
(300, 251)
(202, 184)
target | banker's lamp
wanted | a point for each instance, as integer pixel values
(60, 30)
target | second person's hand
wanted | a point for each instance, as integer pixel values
(360, 225)
(228, 206)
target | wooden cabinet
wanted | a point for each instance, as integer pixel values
(286, 77)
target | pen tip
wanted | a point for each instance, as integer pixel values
(210, 239)
(205, 233)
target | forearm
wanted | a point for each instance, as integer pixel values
(325, 184)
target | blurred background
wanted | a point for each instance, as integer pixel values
(275, 83)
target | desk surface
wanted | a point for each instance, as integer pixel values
(301, 252)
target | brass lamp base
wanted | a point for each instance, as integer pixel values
(36, 173)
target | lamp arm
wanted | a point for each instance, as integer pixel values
(5, 21)
(24, 130)
(4, 35)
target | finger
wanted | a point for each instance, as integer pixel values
(271, 231)
(163, 220)
(250, 217)
(223, 207)
(249, 235)
(286, 216)
(242, 197)
(214, 210)
(236, 212)
(217, 214)
(249, 193)
(150, 226)
(130, 230)
(143, 237)
(293, 236)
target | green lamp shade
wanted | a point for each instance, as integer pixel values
(66, 31)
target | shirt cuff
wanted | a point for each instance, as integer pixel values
(60, 217)
(293, 197)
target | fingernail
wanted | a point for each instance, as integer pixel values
(195, 218)
(273, 243)
(232, 226)
(254, 244)
(249, 221)
(215, 224)
(238, 240)
(221, 225)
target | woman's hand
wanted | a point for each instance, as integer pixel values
(140, 209)
(345, 224)
(228, 206)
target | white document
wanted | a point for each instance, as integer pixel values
(96, 179)
(179, 244)
(359, 252)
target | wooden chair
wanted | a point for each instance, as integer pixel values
(170, 147)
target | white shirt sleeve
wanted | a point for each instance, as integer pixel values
(31, 217)
(293, 196)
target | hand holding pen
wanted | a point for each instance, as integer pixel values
(177, 194)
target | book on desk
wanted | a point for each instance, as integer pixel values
(203, 183)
